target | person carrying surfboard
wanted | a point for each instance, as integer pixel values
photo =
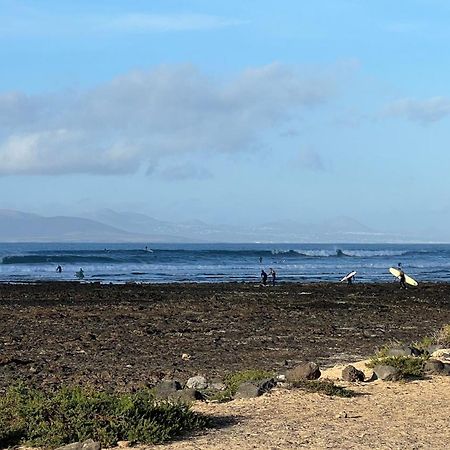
(401, 277)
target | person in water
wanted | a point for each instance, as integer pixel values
(59, 269)
(401, 276)
(263, 277)
(80, 273)
(273, 274)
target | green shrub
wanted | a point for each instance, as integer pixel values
(32, 417)
(409, 366)
(323, 387)
(233, 380)
(443, 335)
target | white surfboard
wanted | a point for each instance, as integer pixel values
(349, 275)
(408, 279)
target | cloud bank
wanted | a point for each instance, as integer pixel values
(422, 111)
(142, 117)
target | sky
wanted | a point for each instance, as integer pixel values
(228, 112)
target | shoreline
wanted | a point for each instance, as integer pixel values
(124, 336)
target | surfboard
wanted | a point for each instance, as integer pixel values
(349, 275)
(408, 279)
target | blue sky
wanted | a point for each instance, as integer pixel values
(228, 112)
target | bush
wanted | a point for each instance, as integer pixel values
(443, 335)
(35, 418)
(409, 366)
(323, 387)
(234, 380)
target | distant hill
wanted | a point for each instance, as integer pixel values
(16, 226)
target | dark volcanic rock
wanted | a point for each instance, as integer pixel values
(403, 351)
(352, 374)
(387, 373)
(167, 388)
(435, 367)
(303, 371)
(186, 396)
(251, 389)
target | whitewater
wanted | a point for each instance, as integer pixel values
(166, 263)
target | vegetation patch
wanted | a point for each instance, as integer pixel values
(409, 366)
(323, 387)
(233, 380)
(443, 336)
(34, 418)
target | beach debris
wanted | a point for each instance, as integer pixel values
(303, 371)
(351, 373)
(197, 382)
(252, 389)
(387, 373)
(89, 444)
(342, 415)
(185, 356)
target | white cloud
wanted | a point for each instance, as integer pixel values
(142, 117)
(423, 111)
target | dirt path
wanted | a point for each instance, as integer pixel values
(411, 415)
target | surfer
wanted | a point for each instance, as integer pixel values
(260, 259)
(59, 269)
(401, 277)
(80, 273)
(263, 277)
(273, 274)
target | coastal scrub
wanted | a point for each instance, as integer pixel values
(35, 418)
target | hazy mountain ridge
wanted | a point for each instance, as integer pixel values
(112, 226)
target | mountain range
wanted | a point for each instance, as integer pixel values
(107, 225)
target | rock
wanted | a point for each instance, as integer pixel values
(123, 444)
(352, 374)
(186, 396)
(185, 357)
(403, 351)
(441, 353)
(435, 367)
(387, 373)
(197, 382)
(281, 378)
(342, 415)
(303, 371)
(217, 386)
(251, 389)
(166, 388)
(89, 444)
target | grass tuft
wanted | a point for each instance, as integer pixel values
(323, 387)
(409, 366)
(34, 418)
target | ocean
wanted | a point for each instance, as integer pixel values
(167, 263)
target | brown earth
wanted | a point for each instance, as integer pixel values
(125, 336)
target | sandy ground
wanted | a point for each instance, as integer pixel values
(407, 415)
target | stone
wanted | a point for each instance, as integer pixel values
(186, 396)
(303, 371)
(251, 389)
(197, 382)
(387, 373)
(435, 367)
(351, 373)
(123, 444)
(217, 386)
(89, 444)
(403, 351)
(166, 388)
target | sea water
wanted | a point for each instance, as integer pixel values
(150, 263)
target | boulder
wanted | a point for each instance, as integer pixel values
(197, 382)
(351, 373)
(217, 385)
(387, 373)
(435, 367)
(186, 396)
(303, 371)
(403, 351)
(251, 389)
(166, 388)
(89, 444)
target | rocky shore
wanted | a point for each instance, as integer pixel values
(125, 336)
